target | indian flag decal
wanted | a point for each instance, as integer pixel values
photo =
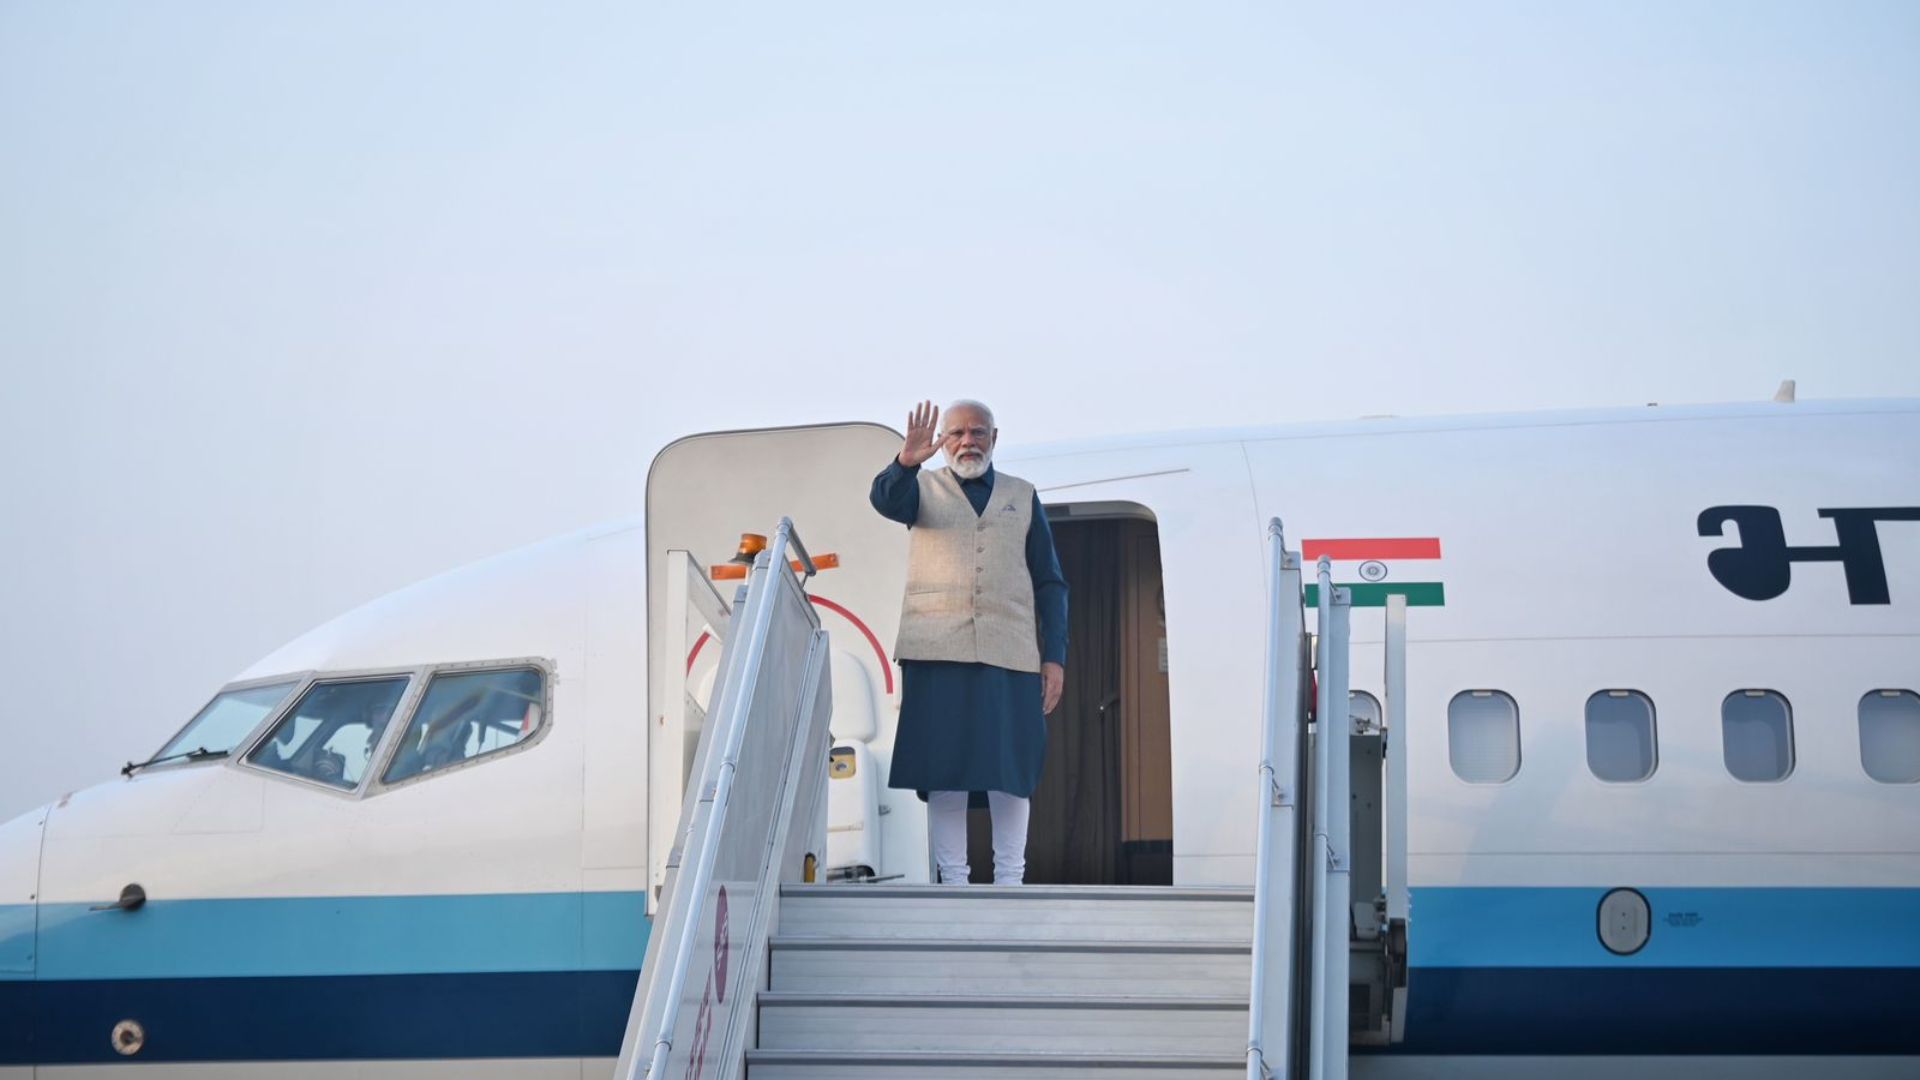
(1377, 568)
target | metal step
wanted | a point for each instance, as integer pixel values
(833, 1065)
(1023, 912)
(1001, 1025)
(1015, 967)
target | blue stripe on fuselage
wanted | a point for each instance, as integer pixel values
(1724, 971)
(1502, 927)
(328, 978)
(1691, 928)
(345, 935)
(1495, 971)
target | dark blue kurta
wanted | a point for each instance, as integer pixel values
(975, 727)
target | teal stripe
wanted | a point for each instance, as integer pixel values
(1418, 593)
(1451, 928)
(352, 935)
(1692, 928)
(16, 941)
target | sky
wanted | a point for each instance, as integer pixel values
(302, 303)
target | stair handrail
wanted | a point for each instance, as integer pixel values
(663, 989)
(1275, 899)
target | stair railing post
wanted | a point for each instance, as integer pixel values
(1336, 727)
(1318, 915)
(1395, 824)
(1271, 1005)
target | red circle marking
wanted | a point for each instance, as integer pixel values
(886, 666)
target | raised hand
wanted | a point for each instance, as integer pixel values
(923, 435)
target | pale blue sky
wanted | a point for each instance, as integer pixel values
(301, 303)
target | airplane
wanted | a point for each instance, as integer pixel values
(1663, 743)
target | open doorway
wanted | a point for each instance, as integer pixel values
(1103, 812)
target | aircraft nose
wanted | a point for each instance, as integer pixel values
(19, 889)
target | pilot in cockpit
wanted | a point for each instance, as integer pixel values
(310, 744)
(441, 740)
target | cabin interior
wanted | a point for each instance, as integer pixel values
(1103, 813)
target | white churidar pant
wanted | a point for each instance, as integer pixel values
(947, 815)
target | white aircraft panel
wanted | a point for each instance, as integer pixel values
(1591, 529)
(611, 694)
(1555, 804)
(1692, 870)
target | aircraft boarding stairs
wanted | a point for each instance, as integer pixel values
(1006, 981)
(753, 971)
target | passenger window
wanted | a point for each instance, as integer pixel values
(1621, 745)
(1483, 736)
(1756, 735)
(330, 734)
(467, 715)
(1890, 736)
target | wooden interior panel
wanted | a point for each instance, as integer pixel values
(1103, 812)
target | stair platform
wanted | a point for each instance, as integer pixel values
(953, 1022)
(817, 1065)
(1023, 912)
(1011, 966)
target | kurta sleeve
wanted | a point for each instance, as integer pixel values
(896, 494)
(1049, 587)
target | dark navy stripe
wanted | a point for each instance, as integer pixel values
(1662, 1011)
(1550, 1011)
(320, 1018)
(17, 1044)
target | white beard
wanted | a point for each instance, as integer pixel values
(971, 470)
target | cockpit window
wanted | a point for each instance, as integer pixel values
(465, 715)
(227, 719)
(331, 734)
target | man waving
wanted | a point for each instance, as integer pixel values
(983, 634)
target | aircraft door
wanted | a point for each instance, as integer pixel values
(703, 493)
